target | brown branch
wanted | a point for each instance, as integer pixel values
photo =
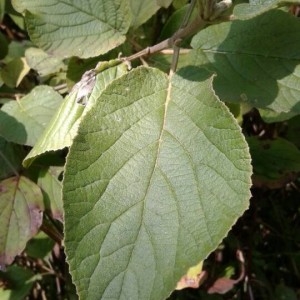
(182, 33)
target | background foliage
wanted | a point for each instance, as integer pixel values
(146, 170)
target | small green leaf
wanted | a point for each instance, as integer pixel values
(43, 63)
(21, 216)
(13, 73)
(23, 121)
(40, 246)
(51, 187)
(270, 116)
(275, 162)
(19, 280)
(81, 28)
(63, 127)
(175, 21)
(14, 15)
(11, 157)
(16, 50)
(60, 131)
(157, 175)
(256, 61)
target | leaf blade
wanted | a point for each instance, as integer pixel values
(23, 121)
(81, 28)
(62, 128)
(256, 61)
(142, 187)
(21, 216)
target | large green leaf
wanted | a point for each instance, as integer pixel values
(21, 216)
(254, 8)
(83, 28)
(23, 121)
(256, 61)
(155, 178)
(62, 128)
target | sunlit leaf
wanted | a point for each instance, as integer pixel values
(76, 28)
(63, 127)
(155, 178)
(256, 61)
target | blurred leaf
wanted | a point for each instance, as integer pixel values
(254, 8)
(13, 72)
(40, 246)
(51, 187)
(270, 116)
(2, 9)
(77, 66)
(283, 292)
(63, 127)
(23, 121)
(275, 162)
(175, 21)
(293, 131)
(20, 281)
(155, 163)
(162, 61)
(4, 45)
(221, 286)
(11, 157)
(14, 15)
(43, 63)
(144, 10)
(164, 3)
(179, 3)
(16, 50)
(81, 28)
(262, 72)
(21, 216)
